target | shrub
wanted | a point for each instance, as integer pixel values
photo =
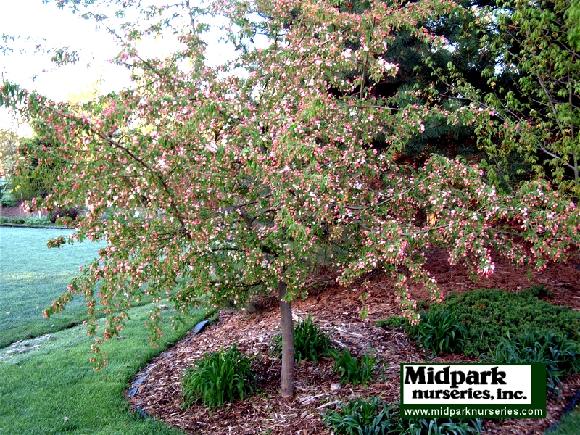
(310, 342)
(476, 322)
(491, 315)
(66, 214)
(504, 328)
(12, 220)
(29, 220)
(439, 330)
(537, 291)
(7, 199)
(559, 354)
(40, 221)
(218, 378)
(373, 416)
(351, 369)
(443, 426)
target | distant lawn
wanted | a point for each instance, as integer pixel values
(32, 276)
(47, 384)
(53, 389)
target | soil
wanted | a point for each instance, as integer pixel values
(338, 312)
(16, 212)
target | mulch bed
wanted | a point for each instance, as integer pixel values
(337, 310)
(16, 212)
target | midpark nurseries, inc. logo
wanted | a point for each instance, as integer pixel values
(473, 390)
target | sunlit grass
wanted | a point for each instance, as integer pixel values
(47, 384)
(32, 276)
(54, 389)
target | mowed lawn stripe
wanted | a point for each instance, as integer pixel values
(54, 389)
(32, 276)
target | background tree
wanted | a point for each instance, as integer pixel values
(531, 91)
(36, 169)
(212, 185)
(8, 146)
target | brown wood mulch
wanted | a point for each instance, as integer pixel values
(337, 310)
(17, 212)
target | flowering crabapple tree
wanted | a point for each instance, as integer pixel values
(209, 184)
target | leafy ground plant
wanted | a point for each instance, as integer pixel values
(559, 354)
(441, 332)
(25, 221)
(438, 331)
(477, 322)
(502, 327)
(362, 417)
(218, 378)
(568, 425)
(443, 426)
(310, 342)
(490, 315)
(373, 416)
(351, 369)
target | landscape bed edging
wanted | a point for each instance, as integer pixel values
(140, 378)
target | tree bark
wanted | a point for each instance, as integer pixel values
(287, 373)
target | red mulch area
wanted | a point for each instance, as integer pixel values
(337, 310)
(563, 280)
(17, 212)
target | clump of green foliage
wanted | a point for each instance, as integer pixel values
(394, 322)
(25, 221)
(351, 369)
(438, 331)
(310, 342)
(537, 291)
(559, 354)
(363, 416)
(375, 416)
(443, 426)
(476, 322)
(568, 425)
(218, 378)
(441, 332)
(501, 327)
(6, 197)
(488, 316)
(35, 173)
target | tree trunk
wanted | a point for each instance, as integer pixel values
(287, 374)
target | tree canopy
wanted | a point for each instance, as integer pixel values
(363, 135)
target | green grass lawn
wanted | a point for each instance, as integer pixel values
(53, 389)
(32, 276)
(47, 384)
